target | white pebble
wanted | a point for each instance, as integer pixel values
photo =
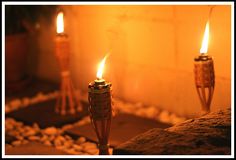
(67, 144)
(25, 102)
(19, 124)
(9, 126)
(41, 96)
(44, 138)
(152, 112)
(89, 145)
(15, 104)
(19, 137)
(48, 143)
(10, 120)
(53, 95)
(50, 131)
(16, 143)
(77, 147)
(7, 109)
(34, 100)
(141, 112)
(34, 138)
(164, 117)
(80, 140)
(173, 118)
(30, 132)
(36, 127)
(139, 105)
(61, 138)
(68, 137)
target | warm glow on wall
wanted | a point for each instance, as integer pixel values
(148, 44)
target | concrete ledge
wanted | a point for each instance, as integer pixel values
(206, 135)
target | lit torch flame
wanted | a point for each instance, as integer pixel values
(60, 23)
(205, 40)
(101, 67)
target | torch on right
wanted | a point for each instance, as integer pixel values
(204, 74)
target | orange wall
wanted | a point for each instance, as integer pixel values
(151, 52)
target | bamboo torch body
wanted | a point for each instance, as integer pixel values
(100, 110)
(204, 74)
(204, 80)
(67, 101)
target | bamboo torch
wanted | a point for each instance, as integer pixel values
(100, 109)
(204, 74)
(67, 101)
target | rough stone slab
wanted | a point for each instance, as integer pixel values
(45, 116)
(206, 135)
(33, 148)
(123, 127)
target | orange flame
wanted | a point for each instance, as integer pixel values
(205, 40)
(60, 23)
(101, 67)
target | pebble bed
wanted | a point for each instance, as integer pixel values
(50, 136)
(56, 137)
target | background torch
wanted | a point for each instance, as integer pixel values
(204, 74)
(100, 109)
(67, 91)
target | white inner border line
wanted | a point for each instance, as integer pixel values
(118, 3)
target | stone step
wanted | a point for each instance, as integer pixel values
(206, 135)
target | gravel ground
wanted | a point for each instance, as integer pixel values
(55, 137)
(50, 136)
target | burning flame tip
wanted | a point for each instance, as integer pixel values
(60, 23)
(101, 67)
(205, 40)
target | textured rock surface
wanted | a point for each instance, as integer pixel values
(206, 135)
